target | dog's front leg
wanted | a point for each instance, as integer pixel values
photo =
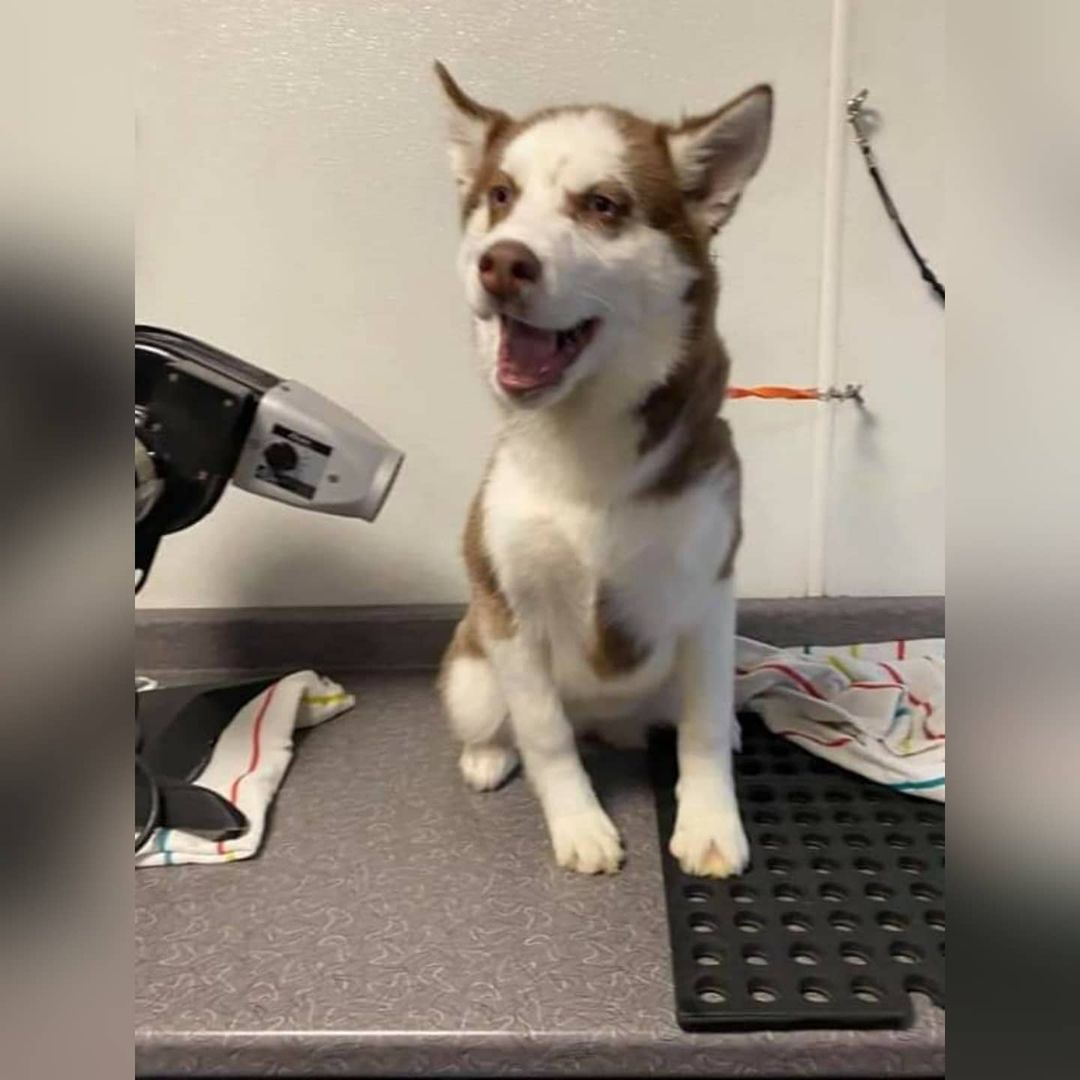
(582, 835)
(709, 839)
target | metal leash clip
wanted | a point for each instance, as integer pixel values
(850, 392)
(857, 117)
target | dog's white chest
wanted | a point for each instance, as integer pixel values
(548, 552)
(653, 559)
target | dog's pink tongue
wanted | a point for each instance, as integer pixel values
(528, 357)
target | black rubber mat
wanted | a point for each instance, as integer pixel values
(841, 914)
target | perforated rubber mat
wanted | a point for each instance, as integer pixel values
(841, 914)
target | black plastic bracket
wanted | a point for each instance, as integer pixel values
(177, 729)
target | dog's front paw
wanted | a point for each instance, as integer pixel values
(486, 765)
(586, 841)
(710, 842)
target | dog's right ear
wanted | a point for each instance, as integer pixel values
(471, 128)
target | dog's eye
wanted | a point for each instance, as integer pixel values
(602, 206)
(500, 195)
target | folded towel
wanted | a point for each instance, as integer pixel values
(878, 710)
(247, 766)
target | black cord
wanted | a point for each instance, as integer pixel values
(926, 273)
(855, 117)
(154, 814)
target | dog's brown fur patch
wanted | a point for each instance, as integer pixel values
(615, 650)
(685, 406)
(727, 567)
(489, 603)
(693, 393)
(466, 640)
(656, 187)
(500, 131)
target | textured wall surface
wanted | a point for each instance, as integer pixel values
(296, 209)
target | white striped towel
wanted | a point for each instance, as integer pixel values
(878, 710)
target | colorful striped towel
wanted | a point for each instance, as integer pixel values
(878, 710)
(247, 766)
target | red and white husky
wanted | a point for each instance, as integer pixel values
(601, 543)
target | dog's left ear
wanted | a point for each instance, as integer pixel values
(471, 127)
(716, 155)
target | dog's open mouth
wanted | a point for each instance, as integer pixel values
(532, 359)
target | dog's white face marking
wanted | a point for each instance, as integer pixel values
(601, 267)
(567, 153)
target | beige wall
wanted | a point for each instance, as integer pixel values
(295, 209)
(886, 483)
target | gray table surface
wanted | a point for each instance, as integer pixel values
(397, 924)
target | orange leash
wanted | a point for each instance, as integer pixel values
(793, 393)
(850, 392)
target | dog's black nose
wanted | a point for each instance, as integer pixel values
(507, 267)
